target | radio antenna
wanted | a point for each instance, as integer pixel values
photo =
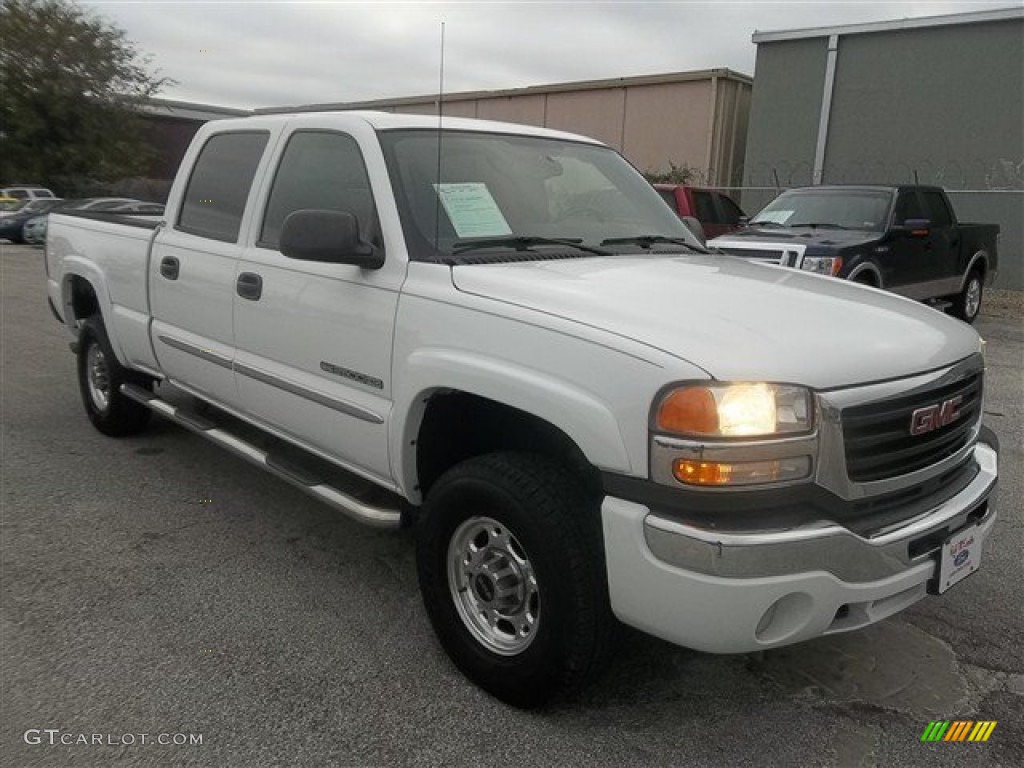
(440, 115)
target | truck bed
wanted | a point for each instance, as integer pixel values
(115, 249)
(143, 221)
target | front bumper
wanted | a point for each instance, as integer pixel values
(738, 592)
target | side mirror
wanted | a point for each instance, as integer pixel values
(330, 236)
(743, 220)
(696, 228)
(913, 228)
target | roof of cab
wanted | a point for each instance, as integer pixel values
(856, 188)
(384, 121)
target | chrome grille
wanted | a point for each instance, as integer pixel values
(756, 254)
(877, 436)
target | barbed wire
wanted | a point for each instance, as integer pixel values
(975, 174)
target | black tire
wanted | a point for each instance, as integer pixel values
(967, 304)
(100, 377)
(553, 528)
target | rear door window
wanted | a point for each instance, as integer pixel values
(937, 209)
(909, 206)
(219, 185)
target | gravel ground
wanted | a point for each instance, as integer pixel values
(1003, 303)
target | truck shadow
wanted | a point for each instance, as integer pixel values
(892, 666)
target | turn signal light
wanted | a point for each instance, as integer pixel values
(692, 410)
(701, 472)
(716, 473)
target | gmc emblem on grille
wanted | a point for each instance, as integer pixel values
(935, 416)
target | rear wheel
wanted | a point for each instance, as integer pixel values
(100, 377)
(511, 568)
(967, 304)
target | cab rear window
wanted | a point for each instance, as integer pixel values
(219, 185)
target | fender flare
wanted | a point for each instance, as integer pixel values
(866, 266)
(76, 266)
(980, 256)
(579, 414)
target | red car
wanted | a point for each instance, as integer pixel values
(716, 211)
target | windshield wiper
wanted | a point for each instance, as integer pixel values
(766, 223)
(816, 225)
(523, 243)
(646, 241)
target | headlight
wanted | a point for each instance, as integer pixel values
(734, 410)
(822, 265)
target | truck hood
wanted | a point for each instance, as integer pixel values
(736, 320)
(806, 236)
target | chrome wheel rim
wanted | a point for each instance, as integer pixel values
(97, 377)
(972, 301)
(493, 586)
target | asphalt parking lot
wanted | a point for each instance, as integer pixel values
(159, 586)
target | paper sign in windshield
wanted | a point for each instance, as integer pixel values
(472, 210)
(779, 217)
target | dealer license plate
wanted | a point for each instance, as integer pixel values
(961, 556)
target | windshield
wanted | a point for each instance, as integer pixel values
(862, 209)
(521, 189)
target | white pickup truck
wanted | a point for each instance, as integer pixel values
(503, 336)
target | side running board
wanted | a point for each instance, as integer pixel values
(375, 516)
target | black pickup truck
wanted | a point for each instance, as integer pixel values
(905, 239)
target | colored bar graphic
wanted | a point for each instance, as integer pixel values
(982, 730)
(958, 730)
(935, 730)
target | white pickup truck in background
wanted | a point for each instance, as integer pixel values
(502, 335)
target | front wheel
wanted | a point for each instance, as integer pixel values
(967, 304)
(100, 377)
(511, 569)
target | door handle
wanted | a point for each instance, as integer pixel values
(169, 267)
(249, 286)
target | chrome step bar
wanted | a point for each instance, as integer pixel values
(374, 516)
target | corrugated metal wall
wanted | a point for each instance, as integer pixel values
(687, 119)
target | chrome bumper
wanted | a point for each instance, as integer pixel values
(826, 547)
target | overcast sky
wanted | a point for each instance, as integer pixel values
(253, 54)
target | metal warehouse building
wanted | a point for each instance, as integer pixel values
(937, 99)
(694, 119)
